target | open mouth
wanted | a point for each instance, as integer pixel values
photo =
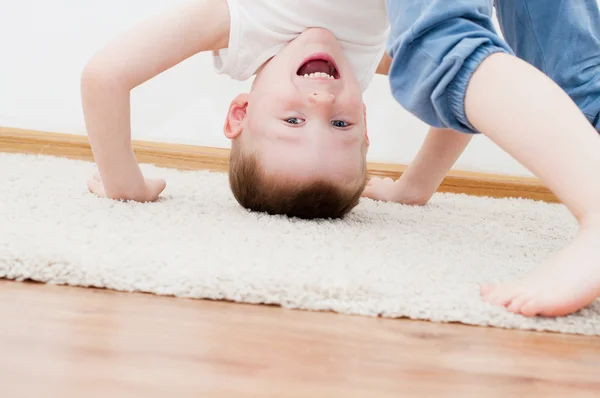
(320, 66)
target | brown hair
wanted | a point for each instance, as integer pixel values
(257, 192)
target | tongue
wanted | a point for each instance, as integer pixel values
(318, 65)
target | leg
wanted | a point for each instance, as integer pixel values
(562, 39)
(432, 43)
(566, 282)
(450, 70)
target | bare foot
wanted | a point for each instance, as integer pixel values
(567, 282)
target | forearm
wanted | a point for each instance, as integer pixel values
(107, 116)
(143, 52)
(440, 151)
(532, 119)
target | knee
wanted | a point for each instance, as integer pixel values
(435, 91)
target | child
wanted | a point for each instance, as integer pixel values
(454, 72)
(299, 138)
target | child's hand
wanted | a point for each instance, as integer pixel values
(153, 188)
(388, 190)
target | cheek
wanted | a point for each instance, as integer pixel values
(353, 105)
(273, 100)
(358, 104)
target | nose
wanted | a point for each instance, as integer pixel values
(321, 97)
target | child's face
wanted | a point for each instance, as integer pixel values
(305, 126)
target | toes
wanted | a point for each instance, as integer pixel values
(501, 295)
(485, 289)
(517, 304)
(553, 304)
(531, 308)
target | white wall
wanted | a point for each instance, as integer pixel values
(44, 44)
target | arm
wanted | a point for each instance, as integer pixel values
(440, 150)
(431, 44)
(422, 178)
(147, 50)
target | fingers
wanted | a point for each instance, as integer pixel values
(377, 188)
(373, 193)
(368, 193)
(96, 187)
(386, 180)
(155, 188)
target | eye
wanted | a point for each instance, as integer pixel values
(340, 124)
(294, 120)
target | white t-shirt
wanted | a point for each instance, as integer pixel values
(261, 28)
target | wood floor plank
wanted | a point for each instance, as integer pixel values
(71, 342)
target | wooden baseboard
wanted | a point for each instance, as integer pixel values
(189, 157)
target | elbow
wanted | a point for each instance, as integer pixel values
(93, 75)
(99, 74)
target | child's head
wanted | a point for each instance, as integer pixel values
(299, 139)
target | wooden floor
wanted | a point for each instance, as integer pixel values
(69, 342)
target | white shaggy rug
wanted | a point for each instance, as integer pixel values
(383, 259)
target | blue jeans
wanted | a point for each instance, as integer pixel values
(436, 45)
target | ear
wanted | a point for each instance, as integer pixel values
(234, 123)
(366, 128)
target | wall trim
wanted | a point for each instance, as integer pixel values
(190, 157)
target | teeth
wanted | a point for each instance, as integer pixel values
(319, 75)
